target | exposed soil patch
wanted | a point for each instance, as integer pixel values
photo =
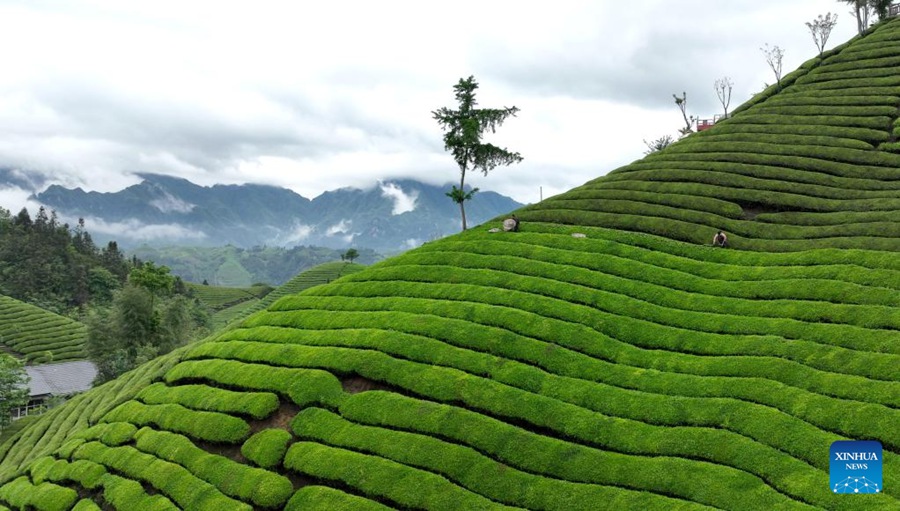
(357, 384)
(281, 419)
(230, 451)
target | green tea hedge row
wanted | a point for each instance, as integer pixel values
(847, 121)
(859, 71)
(864, 267)
(880, 56)
(581, 321)
(579, 387)
(257, 486)
(378, 477)
(707, 204)
(848, 85)
(86, 473)
(257, 405)
(21, 494)
(185, 489)
(817, 98)
(828, 218)
(666, 270)
(450, 385)
(569, 284)
(833, 154)
(531, 451)
(742, 134)
(588, 210)
(324, 498)
(110, 433)
(860, 135)
(86, 505)
(777, 385)
(209, 426)
(267, 447)
(302, 386)
(798, 182)
(826, 282)
(756, 193)
(125, 494)
(796, 162)
(829, 110)
(703, 483)
(700, 234)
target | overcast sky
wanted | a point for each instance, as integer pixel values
(314, 96)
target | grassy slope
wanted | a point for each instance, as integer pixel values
(633, 368)
(32, 332)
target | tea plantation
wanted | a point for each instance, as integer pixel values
(604, 357)
(39, 336)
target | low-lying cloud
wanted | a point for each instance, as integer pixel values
(403, 202)
(133, 229)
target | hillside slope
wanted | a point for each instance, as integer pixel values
(602, 357)
(37, 335)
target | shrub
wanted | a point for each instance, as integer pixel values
(260, 487)
(267, 447)
(257, 405)
(209, 426)
(329, 499)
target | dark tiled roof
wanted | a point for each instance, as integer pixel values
(61, 379)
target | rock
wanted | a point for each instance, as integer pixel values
(579, 235)
(494, 230)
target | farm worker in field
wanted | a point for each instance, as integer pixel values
(511, 224)
(720, 240)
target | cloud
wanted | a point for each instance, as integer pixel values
(403, 202)
(134, 230)
(312, 99)
(338, 228)
(298, 233)
(171, 204)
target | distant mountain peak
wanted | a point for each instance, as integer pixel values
(390, 215)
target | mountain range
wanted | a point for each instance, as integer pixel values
(389, 216)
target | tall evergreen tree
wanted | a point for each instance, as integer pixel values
(463, 130)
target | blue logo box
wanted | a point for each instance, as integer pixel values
(856, 467)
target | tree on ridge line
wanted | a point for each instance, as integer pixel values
(463, 130)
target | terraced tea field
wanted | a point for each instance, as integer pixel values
(219, 298)
(39, 336)
(605, 357)
(249, 300)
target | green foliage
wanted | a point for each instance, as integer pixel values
(44, 496)
(13, 387)
(155, 279)
(267, 448)
(411, 487)
(44, 262)
(137, 328)
(328, 499)
(257, 405)
(350, 255)
(463, 131)
(172, 480)
(260, 487)
(209, 426)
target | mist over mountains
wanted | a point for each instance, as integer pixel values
(162, 210)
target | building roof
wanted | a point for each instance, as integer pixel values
(60, 379)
